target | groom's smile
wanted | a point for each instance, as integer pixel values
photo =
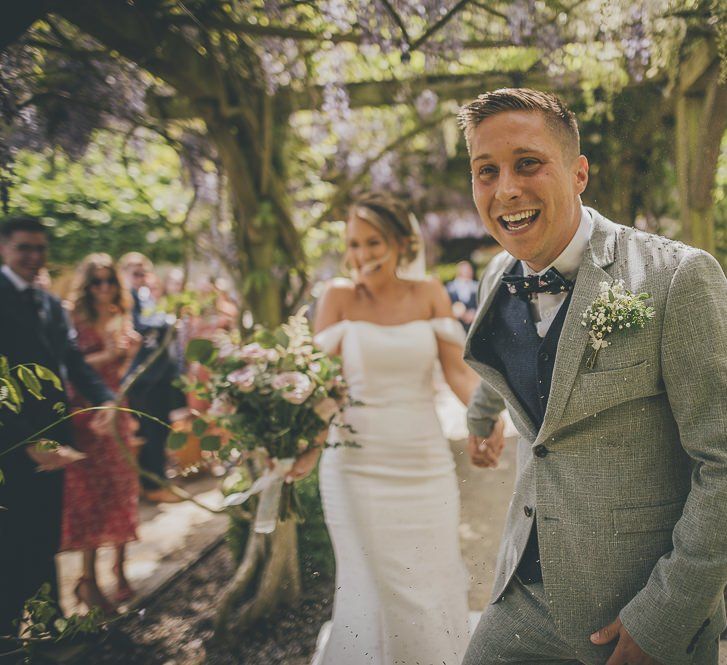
(518, 221)
(526, 185)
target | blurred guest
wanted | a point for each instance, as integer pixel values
(217, 312)
(34, 330)
(134, 269)
(174, 282)
(462, 292)
(152, 392)
(101, 492)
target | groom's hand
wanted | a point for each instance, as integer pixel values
(627, 652)
(486, 452)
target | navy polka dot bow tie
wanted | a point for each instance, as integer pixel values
(524, 287)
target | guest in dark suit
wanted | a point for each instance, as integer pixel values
(462, 292)
(34, 330)
(152, 392)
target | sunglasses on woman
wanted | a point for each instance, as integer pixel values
(97, 281)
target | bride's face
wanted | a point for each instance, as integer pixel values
(368, 251)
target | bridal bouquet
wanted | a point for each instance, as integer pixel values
(276, 394)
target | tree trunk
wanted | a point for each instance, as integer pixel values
(701, 114)
(268, 576)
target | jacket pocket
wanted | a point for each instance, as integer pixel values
(597, 391)
(632, 371)
(641, 519)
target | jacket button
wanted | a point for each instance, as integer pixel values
(540, 450)
(544, 357)
(528, 511)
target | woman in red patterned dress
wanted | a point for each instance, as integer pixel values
(101, 492)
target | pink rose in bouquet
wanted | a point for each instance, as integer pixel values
(296, 387)
(243, 379)
(256, 352)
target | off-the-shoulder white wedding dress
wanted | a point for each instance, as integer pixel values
(392, 505)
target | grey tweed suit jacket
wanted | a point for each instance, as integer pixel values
(631, 497)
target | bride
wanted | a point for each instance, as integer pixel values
(392, 504)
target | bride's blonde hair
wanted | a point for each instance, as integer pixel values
(388, 215)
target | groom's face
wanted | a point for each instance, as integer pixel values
(526, 185)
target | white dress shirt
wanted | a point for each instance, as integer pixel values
(18, 282)
(544, 306)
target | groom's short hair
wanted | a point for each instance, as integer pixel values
(557, 115)
(14, 223)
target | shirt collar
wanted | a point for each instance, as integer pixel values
(569, 260)
(17, 281)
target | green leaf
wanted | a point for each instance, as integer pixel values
(4, 367)
(59, 408)
(200, 350)
(48, 375)
(199, 427)
(2, 477)
(264, 338)
(13, 389)
(210, 442)
(30, 381)
(176, 440)
(47, 445)
(281, 338)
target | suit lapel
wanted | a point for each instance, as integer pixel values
(488, 290)
(574, 337)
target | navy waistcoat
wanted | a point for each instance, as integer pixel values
(508, 341)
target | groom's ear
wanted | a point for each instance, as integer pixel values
(580, 173)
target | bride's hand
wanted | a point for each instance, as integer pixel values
(303, 465)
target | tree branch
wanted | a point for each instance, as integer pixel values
(439, 24)
(383, 93)
(344, 190)
(490, 10)
(257, 30)
(397, 19)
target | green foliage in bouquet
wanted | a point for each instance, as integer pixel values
(278, 392)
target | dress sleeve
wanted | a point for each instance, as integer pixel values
(449, 330)
(330, 338)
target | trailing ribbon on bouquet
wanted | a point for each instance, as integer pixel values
(269, 486)
(524, 287)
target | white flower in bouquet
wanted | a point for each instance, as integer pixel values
(295, 387)
(243, 379)
(255, 352)
(222, 406)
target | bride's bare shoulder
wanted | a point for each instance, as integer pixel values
(331, 304)
(337, 288)
(430, 287)
(432, 291)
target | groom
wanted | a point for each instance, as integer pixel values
(615, 547)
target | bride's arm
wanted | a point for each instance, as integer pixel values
(484, 450)
(461, 378)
